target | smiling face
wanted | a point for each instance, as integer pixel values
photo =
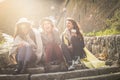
(69, 25)
(47, 26)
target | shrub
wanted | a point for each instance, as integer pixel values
(114, 26)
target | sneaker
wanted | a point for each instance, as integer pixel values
(16, 71)
(77, 61)
(71, 68)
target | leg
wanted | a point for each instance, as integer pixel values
(48, 53)
(28, 55)
(67, 54)
(21, 54)
(58, 53)
(20, 58)
(77, 48)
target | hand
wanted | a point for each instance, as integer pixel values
(74, 34)
(70, 47)
(21, 44)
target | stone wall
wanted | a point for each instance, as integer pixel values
(4, 58)
(109, 45)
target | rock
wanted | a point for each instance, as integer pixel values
(113, 76)
(118, 47)
(37, 70)
(74, 74)
(56, 68)
(109, 45)
(4, 58)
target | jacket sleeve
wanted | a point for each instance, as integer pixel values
(14, 47)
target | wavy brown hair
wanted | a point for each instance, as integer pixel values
(76, 27)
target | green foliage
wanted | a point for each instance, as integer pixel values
(102, 33)
(114, 26)
(114, 22)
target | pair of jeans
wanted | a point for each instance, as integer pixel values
(24, 56)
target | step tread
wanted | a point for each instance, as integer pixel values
(64, 75)
(111, 76)
(37, 70)
(14, 77)
(75, 74)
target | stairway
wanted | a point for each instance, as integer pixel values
(108, 73)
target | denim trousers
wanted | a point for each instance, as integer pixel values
(24, 56)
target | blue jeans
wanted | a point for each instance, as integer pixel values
(24, 56)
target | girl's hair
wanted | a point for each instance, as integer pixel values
(76, 27)
(18, 30)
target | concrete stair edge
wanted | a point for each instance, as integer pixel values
(112, 76)
(74, 74)
(14, 77)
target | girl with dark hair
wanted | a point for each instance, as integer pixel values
(74, 48)
(72, 42)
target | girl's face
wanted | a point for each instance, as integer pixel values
(47, 26)
(24, 28)
(69, 25)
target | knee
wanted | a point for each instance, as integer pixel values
(63, 45)
(24, 47)
(27, 46)
(74, 38)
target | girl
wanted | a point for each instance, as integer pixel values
(72, 43)
(26, 44)
(74, 47)
(51, 42)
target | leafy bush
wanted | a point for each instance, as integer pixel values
(114, 26)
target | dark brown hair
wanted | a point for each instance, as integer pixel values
(76, 27)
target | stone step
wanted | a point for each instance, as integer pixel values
(108, 71)
(74, 74)
(111, 76)
(37, 70)
(15, 77)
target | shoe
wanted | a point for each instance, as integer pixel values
(71, 68)
(77, 61)
(16, 71)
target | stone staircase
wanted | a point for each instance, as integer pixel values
(107, 73)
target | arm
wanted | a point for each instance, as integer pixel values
(15, 45)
